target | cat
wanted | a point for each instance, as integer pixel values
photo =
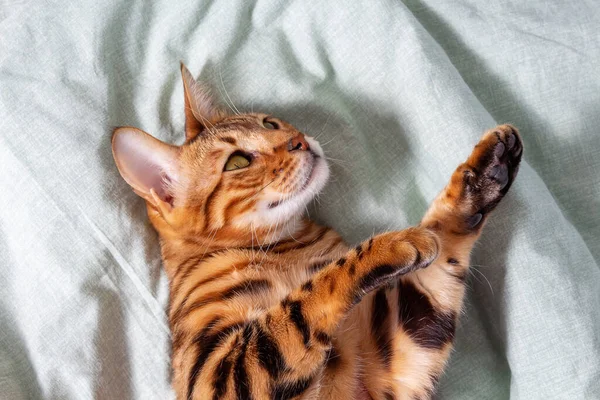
(266, 304)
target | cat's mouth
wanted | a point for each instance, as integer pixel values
(310, 178)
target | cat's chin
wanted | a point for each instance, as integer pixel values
(291, 208)
(294, 205)
(310, 179)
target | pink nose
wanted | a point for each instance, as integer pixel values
(298, 143)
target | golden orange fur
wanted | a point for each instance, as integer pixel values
(267, 304)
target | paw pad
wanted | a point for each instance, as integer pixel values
(499, 173)
(492, 167)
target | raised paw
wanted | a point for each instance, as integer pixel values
(392, 254)
(489, 172)
(372, 264)
(413, 248)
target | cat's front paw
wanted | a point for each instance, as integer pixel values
(384, 257)
(407, 250)
(490, 171)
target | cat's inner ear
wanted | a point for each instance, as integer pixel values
(147, 164)
(200, 109)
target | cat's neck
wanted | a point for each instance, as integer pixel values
(178, 249)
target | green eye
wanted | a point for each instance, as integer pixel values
(237, 161)
(270, 124)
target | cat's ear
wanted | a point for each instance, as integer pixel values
(200, 109)
(148, 165)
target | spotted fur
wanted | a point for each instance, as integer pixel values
(267, 304)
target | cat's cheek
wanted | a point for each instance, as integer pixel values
(265, 214)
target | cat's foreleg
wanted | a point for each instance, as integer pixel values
(476, 187)
(426, 303)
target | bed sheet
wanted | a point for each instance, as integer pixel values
(397, 92)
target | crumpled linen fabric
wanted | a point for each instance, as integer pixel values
(397, 92)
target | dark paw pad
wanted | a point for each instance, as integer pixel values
(499, 173)
(474, 220)
(491, 169)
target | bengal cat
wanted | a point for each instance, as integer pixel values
(265, 304)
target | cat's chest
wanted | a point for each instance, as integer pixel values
(288, 272)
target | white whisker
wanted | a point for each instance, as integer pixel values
(484, 277)
(261, 189)
(211, 237)
(232, 106)
(337, 161)
(330, 140)
(324, 126)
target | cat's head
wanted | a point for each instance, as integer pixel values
(235, 174)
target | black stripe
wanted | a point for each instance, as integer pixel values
(222, 372)
(227, 139)
(428, 327)
(236, 202)
(333, 358)
(323, 338)
(209, 201)
(285, 303)
(246, 287)
(191, 264)
(341, 262)
(335, 242)
(359, 252)
(381, 328)
(296, 238)
(185, 270)
(235, 125)
(322, 232)
(307, 286)
(242, 288)
(209, 279)
(187, 265)
(196, 286)
(376, 277)
(240, 375)
(207, 343)
(318, 266)
(204, 333)
(352, 269)
(298, 319)
(331, 281)
(370, 244)
(290, 390)
(269, 355)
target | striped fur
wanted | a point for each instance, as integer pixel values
(282, 308)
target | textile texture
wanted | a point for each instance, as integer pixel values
(397, 92)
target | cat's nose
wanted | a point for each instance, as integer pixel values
(298, 143)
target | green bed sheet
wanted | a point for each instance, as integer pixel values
(397, 92)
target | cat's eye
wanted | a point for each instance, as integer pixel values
(270, 124)
(237, 161)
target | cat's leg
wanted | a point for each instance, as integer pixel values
(280, 353)
(423, 308)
